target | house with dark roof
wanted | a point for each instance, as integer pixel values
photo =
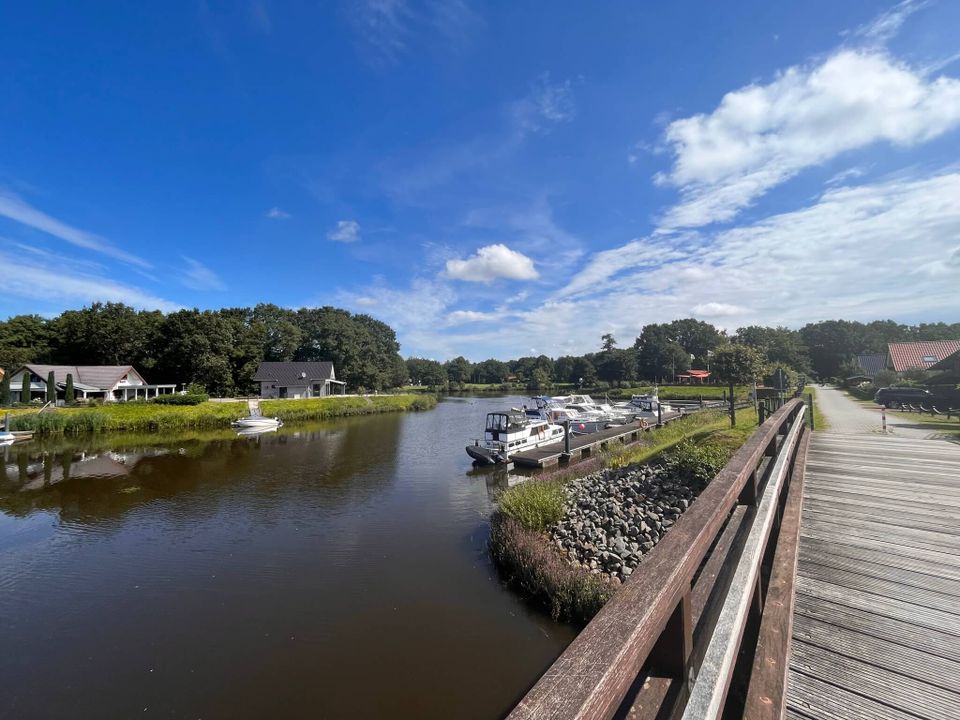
(109, 383)
(297, 380)
(920, 355)
(872, 363)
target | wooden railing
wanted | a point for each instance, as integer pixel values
(702, 629)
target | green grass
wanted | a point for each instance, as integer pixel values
(142, 416)
(819, 419)
(324, 408)
(950, 428)
(535, 504)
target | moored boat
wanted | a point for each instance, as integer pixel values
(257, 422)
(511, 432)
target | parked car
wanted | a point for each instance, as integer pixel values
(892, 397)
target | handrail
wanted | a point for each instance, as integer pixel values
(647, 626)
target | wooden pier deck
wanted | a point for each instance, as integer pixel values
(876, 628)
(584, 445)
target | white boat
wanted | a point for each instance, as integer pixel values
(257, 422)
(647, 407)
(7, 438)
(511, 432)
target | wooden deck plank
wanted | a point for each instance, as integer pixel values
(812, 698)
(904, 576)
(933, 542)
(876, 683)
(891, 589)
(900, 632)
(909, 662)
(837, 536)
(859, 555)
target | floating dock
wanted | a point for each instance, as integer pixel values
(585, 445)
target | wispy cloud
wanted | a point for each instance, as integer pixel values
(762, 135)
(492, 262)
(346, 231)
(198, 276)
(18, 210)
(388, 29)
(887, 24)
(57, 281)
(276, 213)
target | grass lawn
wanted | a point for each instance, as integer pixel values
(950, 428)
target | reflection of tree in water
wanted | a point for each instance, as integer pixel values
(319, 464)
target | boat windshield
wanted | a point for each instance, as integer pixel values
(502, 422)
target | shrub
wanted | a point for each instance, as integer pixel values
(68, 393)
(535, 504)
(196, 388)
(5, 390)
(188, 399)
(698, 463)
(528, 562)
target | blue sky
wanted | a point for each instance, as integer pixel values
(491, 179)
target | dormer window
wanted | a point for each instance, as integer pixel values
(929, 358)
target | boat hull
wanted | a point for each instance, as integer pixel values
(484, 456)
(257, 423)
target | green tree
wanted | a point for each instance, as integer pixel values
(458, 370)
(737, 364)
(616, 366)
(23, 339)
(608, 342)
(5, 390)
(491, 371)
(51, 388)
(68, 392)
(696, 337)
(25, 388)
(584, 372)
(539, 381)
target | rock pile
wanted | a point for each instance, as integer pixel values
(615, 516)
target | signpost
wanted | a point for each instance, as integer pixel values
(780, 381)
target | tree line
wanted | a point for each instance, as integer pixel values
(664, 350)
(218, 349)
(221, 349)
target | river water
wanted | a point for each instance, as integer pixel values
(329, 570)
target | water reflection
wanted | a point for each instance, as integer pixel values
(327, 570)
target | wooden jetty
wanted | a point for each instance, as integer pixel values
(585, 445)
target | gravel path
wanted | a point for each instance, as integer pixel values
(847, 417)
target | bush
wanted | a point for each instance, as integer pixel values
(188, 399)
(529, 563)
(698, 463)
(535, 504)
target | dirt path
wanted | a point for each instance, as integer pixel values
(847, 417)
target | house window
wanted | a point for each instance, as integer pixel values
(929, 358)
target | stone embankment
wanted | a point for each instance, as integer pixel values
(615, 516)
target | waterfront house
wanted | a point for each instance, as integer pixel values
(109, 383)
(297, 380)
(871, 363)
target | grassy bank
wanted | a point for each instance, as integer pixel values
(819, 419)
(696, 447)
(151, 417)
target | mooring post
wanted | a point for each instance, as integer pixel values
(810, 405)
(566, 439)
(659, 414)
(701, 399)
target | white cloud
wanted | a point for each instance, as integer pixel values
(346, 231)
(492, 262)
(762, 135)
(59, 282)
(718, 310)
(16, 209)
(461, 317)
(198, 276)
(547, 103)
(276, 213)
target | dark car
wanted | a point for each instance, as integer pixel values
(892, 397)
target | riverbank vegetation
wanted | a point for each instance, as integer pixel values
(691, 452)
(149, 416)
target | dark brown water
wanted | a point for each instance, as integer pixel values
(331, 570)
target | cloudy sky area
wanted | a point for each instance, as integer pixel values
(490, 181)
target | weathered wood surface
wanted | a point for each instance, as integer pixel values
(876, 630)
(594, 674)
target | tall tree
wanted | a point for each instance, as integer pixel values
(608, 342)
(738, 364)
(51, 388)
(68, 392)
(5, 390)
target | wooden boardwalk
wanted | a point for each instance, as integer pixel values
(876, 630)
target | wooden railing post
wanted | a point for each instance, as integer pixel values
(671, 655)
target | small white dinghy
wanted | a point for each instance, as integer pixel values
(257, 422)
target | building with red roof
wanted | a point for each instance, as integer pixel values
(920, 355)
